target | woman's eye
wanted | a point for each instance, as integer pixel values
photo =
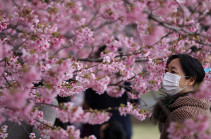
(173, 72)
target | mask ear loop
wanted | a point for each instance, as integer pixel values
(184, 88)
(186, 85)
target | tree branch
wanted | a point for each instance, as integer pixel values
(97, 11)
(104, 24)
(183, 13)
(7, 80)
(90, 60)
(15, 3)
(59, 50)
(52, 127)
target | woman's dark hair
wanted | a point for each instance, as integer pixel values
(114, 130)
(191, 66)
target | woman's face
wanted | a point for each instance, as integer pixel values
(175, 67)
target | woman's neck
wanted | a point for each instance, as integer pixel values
(187, 89)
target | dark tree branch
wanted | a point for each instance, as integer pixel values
(93, 18)
(7, 80)
(183, 13)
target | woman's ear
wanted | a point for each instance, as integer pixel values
(191, 81)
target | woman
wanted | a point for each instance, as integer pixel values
(183, 77)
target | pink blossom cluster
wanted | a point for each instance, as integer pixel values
(133, 110)
(204, 89)
(3, 23)
(69, 88)
(5, 50)
(109, 14)
(114, 91)
(92, 137)
(89, 79)
(14, 99)
(84, 36)
(3, 132)
(32, 136)
(73, 114)
(192, 128)
(98, 117)
(51, 48)
(70, 132)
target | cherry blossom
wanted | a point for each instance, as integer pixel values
(198, 128)
(130, 109)
(61, 48)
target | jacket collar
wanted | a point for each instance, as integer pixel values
(190, 101)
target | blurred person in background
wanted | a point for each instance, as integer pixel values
(112, 130)
(95, 101)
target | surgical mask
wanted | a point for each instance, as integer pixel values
(170, 83)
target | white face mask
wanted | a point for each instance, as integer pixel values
(170, 83)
